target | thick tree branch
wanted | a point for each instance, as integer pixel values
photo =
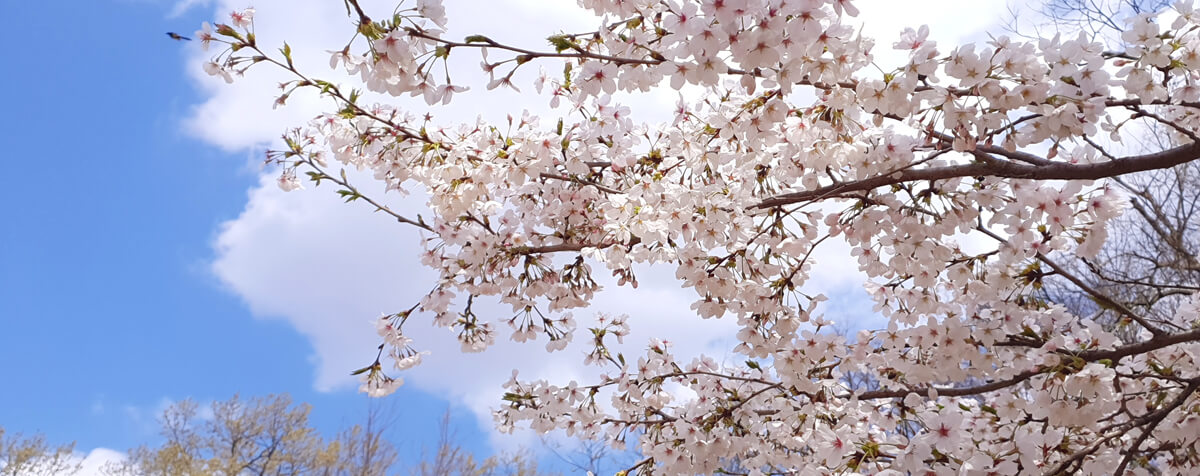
(952, 391)
(1056, 171)
(1088, 356)
(1151, 345)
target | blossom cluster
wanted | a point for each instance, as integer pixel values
(799, 139)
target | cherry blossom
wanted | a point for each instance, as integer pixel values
(797, 140)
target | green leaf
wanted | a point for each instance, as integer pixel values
(513, 397)
(287, 53)
(371, 30)
(561, 43)
(226, 30)
(1028, 332)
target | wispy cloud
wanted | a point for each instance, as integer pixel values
(182, 6)
(145, 418)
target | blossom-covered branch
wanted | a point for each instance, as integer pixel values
(966, 182)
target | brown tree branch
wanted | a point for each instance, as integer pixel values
(1088, 356)
(1056, 171)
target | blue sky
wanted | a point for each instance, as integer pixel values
(145, 259)
(107, 302)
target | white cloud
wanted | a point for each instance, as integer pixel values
(96, 460)
(91, 464)
(328, 268)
